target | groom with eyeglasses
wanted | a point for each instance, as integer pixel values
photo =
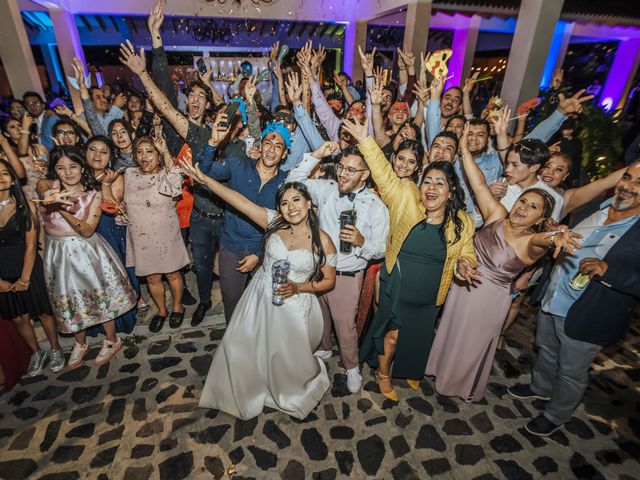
(365, 240)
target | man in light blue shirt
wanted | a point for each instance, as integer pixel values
(576, 321)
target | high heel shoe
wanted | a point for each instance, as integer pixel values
(415, 384)
(392, 395)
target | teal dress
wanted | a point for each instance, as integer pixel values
(408, 303)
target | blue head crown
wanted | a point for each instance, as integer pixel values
(279, 128)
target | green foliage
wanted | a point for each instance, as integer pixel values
(600, 133)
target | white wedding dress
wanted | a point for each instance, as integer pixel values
(266, 355)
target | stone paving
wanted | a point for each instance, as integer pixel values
(137, 418)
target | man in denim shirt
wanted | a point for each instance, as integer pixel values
(258, 181)
(576, 321)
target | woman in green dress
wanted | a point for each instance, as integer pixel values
(430, 239)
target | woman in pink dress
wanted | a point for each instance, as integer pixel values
(154, 244)
(465, 343)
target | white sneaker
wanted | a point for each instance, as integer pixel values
(354, 380)
(77, 354)
(323, 354)
(108, 351)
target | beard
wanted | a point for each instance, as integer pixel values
(622, 204)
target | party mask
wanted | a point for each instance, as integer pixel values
(437, 63)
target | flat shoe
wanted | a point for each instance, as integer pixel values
(175, 319)
(156, 323)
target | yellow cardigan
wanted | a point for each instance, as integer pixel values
(406, 210)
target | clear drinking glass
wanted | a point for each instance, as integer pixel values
(279, 275)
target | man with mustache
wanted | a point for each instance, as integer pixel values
(573, 323)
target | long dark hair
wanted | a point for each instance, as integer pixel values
(453, 205)
(414, 147)
(279, 223)
(74, 154)
(24, 215)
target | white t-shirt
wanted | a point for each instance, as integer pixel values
(514, 192)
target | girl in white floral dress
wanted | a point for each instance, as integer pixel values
(86, 281)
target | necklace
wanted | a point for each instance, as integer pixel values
(293, 235)
(515, 233)
(6, 202)
(432, 219)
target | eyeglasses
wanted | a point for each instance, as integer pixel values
(65, 133)
(32, 103)
(349, 171)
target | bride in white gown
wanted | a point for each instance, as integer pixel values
(266, 355)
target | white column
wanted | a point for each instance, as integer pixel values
(416, 28)
(69, 46)
(15, 51)
(534, 31)
(355, 34)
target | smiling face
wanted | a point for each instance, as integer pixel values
(477, 139)
(517, 172)
(442, 148)
(197, 103)
(68, 171)
(272, 149)
(293, 207)
(147, 157)
(435, 191)
(528, 210)
(352, 172)
(555, 171)
(456, 126)
(450, 103)
(399, 113)
(120, 137)
(627, 192)
(387, 98)
(66, 135)
(98, 155)
(405, 163)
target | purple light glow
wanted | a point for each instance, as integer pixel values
(625, 64)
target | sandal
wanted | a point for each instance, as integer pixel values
(144, 307)
(156, 323)
(391, 395)
(175, 319)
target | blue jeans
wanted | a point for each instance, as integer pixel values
(205, 240)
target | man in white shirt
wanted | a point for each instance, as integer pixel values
(524, 160)
(367, 238)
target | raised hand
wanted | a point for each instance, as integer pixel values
(250, 90)
(424, 58)
(326, 149)
(273, 53)
(27, 121)
(294, 89)
(572, 104)
(220, 128)
(317, 59)
(63, 111)
(193, 172)
(556, 79)
(375, 92)
(367, 60)
(340, 81)
(359, 131)
(464, 147)
(407, 58)
(156, 17)
(437, 87)
(137, 63)
(501, 123)
(469, 82)
(566, 240)
(78, 73)
(421, 91)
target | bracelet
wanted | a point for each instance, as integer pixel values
(297, 288)
(105, 183)
(25, 132)
(24, 284)
(503, 149)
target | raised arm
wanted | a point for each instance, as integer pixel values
(467, 88)
(254, 212)
(389, 185)
(577, 197)
(13, 159)
(375, 97)
(138, 65)
(305, 124)
(490, 208)
(501, 127)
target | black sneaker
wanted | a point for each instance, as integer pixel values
(541, 426)
(199, 314)
(187, 298)
(521, 390)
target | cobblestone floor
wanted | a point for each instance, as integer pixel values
(137, 418)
